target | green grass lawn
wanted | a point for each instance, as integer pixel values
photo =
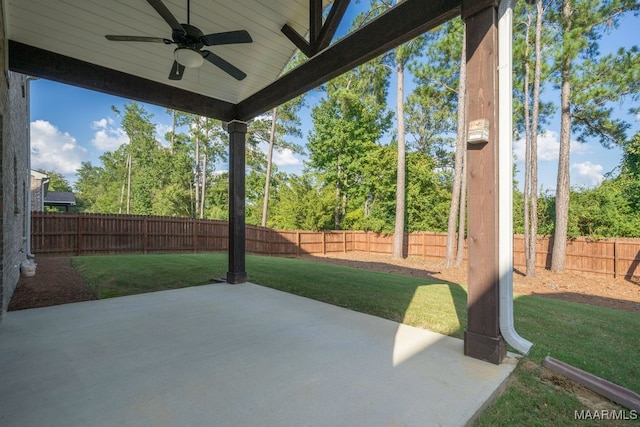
(602, 341)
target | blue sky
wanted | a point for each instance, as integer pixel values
(70, 125)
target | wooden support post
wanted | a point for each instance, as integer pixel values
(237, 137)
(482, 339)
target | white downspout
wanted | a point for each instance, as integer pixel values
(30, 256)
(505, 183)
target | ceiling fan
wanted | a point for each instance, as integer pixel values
(190, 41)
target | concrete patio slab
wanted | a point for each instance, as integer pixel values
(232, 355)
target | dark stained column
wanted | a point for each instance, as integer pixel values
(237, 139)
(482, 339)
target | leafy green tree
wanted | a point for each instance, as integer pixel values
(348, 123)
(602, 212)
(100, 186)
(303, 203)
(428, 199)
(629, 178)
(140, 153)
(57, 182)
(218, 197)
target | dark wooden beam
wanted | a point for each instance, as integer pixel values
(37, 62)
(482, 339)
(315, 23)
(400, 24)
(320, 34)
(332, 22)
(237, 139)
(297, 40)
(472, 7)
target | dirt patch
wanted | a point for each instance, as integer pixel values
(588, 398)
(56, 282)
(618, 293)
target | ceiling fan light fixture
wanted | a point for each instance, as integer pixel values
(188, 57)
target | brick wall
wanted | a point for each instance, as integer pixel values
(37, 204)
(15, 183)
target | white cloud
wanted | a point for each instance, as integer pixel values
(589, 174)
(108, 137)
(161, 131)
(548, 147)
(285, 157)
(52, 149)
(101, 124)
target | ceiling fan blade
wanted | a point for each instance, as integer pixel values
(229, 37)
(138, 39)
(228, 68)
(176, 71)
(166, 14)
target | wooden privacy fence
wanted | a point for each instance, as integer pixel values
(89, 234)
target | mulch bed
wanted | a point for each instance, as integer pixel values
(56, 282)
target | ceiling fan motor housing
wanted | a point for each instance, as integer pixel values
(191, 37)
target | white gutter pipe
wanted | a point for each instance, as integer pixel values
(29, 255)
(505, 182)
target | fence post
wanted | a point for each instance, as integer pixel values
(194, 224)
(615, 258)
(324, 243)
(79, 234)
(297, 243)
(145, 235)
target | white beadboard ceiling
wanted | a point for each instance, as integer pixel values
(76, 28)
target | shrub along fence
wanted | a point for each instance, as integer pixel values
(90, 234)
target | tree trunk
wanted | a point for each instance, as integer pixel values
(124, 184)
(203, 191)
(398, 234)
(562, 188)
(196, 173)
(336, 214)
(173, 131)
(460, 153)
(535, 119)
(267, 181)
(129, 184)
(529, 154)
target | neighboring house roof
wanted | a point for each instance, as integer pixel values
(59, 198)
(38, 175)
